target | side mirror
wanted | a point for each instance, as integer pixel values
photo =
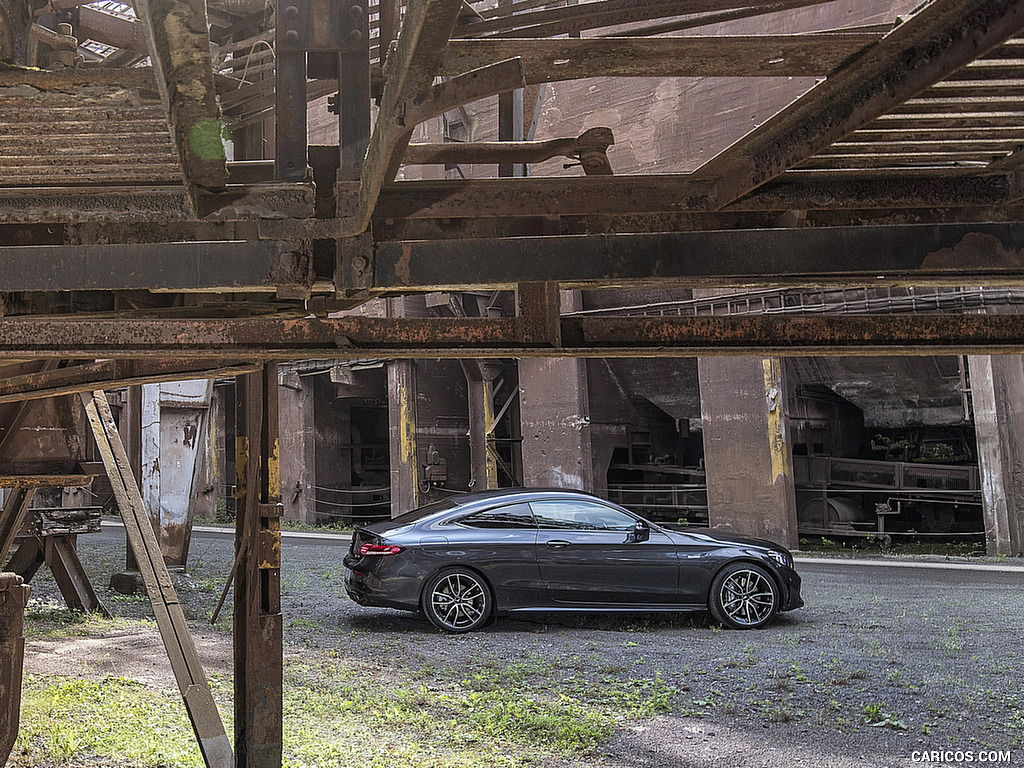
(641, 531)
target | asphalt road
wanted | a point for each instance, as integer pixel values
(931, 654)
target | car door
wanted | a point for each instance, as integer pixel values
(502, 543)
(588, 553)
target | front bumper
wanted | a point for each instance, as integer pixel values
(791, 587)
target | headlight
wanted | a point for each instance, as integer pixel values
(779, 557)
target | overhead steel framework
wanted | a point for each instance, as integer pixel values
(134, 248)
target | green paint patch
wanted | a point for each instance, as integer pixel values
(205, 139)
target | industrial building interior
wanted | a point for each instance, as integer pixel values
(753, 265)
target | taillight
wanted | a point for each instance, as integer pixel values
(379, 549)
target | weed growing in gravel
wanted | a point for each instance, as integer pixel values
(876, 716)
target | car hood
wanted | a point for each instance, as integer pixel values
(719, 537)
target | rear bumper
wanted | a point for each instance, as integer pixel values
(367, 589)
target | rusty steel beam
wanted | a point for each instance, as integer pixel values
(45, 481)
(553, 60)
(794, 336)
(453, 338)
(589, 144)
(61, 557)
(178, 36)
(596, 195)
(228, 266)
(112, 30)
(170, 619)
(103, 373)
(942, 37)
(13, 599)
(258, 633)
(408, 71)
(934, 254)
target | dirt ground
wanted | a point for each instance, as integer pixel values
(882, 663)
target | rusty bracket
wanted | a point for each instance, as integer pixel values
(539, 319)
(296, 17)
(357, 263)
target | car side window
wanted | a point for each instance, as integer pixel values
(580, 516)
(518, 516)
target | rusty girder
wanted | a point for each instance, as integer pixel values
(580, 336)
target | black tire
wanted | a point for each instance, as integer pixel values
(457, 600)
(744, 596)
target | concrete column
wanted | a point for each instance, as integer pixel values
(297, 456)
(555, 417)
(405, 476)
(747, 453)
(997, 394)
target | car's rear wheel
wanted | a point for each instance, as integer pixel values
(744, 596)
(457, 600)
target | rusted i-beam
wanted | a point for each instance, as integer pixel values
(13, 598)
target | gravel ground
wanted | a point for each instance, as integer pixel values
(880, 664)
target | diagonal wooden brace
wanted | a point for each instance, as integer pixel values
(170, 619)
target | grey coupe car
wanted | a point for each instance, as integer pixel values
(472, 557)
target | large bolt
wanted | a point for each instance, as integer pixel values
(355, 35)
(355, 11)
(291, 12)
(359, 263)
(291, 36)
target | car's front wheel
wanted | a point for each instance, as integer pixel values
(457, 600)
(744, 596)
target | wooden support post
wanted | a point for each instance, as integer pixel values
(12, 517)
(170, 619)
(257, 612)
(61, 557)
(178, 35)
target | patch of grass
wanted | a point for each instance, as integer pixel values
(45, 622)
(67, 722)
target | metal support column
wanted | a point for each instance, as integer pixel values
(12, 517)
(257, 611)
(481, 426)
(510, 122)
(293, 29)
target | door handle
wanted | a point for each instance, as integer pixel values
(558, 543)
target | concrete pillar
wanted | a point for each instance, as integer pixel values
(297, 456)
(997, 394)
(405, 476)
(555, 417)
(747, 453)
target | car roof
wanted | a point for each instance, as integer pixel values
(518, 494)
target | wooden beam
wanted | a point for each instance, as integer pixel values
(552, 60)
(120, 373)
(170, 618)
(178, 36)
(408, 71)
(939, 39)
